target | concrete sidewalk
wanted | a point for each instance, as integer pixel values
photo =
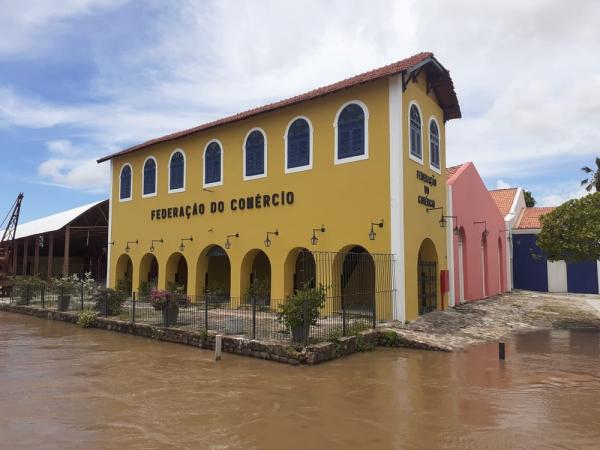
(498, 317)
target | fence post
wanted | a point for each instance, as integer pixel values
(105, 306)
(253, 317)
(133, 307)
(27, 293)
(306, 324)
(205, 312)
(82, 295)
(60, 299)
(375, 311)
(343, 317)
(43, 293)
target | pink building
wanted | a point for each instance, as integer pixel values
(477, 238)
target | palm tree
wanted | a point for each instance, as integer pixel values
(593, 179)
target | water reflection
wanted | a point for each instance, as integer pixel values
(65, 387)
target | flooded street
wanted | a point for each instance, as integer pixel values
(65, 387)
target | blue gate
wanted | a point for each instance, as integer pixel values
(530, 269)
(582, 277)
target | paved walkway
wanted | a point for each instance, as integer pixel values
(498, 317)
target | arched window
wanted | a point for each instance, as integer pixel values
(254, 158)
(125, 185)
(177, 172)
(434, 144)
(298, 145)
(351, 132)
(415, 133)
(149, 184)
(213, 164)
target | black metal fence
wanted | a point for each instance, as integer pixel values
(355, 292)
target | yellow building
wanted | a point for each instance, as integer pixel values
(350, 170)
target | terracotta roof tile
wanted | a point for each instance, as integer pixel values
(504, 199)
(441, 84)
(530, 218)
(452, 170)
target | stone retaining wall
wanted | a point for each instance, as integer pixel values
(270, 350)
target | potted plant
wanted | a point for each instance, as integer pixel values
(65, 286)
(301, 310)
(108, 301)
(145, 288)
(169, 303)
(259, 292)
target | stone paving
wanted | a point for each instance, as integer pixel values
(498, 317)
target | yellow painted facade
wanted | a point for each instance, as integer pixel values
(345, 198)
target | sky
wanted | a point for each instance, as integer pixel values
(80, 79)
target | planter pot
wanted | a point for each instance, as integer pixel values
(63, 302)
(170, 316)
(299, 334)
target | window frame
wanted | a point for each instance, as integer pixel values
(155, 193)
(410, 153)
(181, 189)
(126, 199)
(308, 166)
(437, 124)
(215, 183)
(351, 159)
(265, 168)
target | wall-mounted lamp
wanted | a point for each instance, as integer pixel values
(181, 246)
(227, 243)
(314, 239)
(160, 241)
(267, 240)
(372, 233)
(485, 233)
(443, 223)
(509, 237)
(127, 248)
(110, 243)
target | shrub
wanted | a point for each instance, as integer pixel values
(110, 299)
(145, 288)
(87, 319)
(25, 288)
(307, 301)
(388, 339)
(161, 300)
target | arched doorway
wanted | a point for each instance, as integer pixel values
(256, 278)
(484, 264)
(177, 273)
(300, 270)
(357, 280)
(215, 269)
(501, 266)
(427, 278)
(462, 251)
(124, 273)
(148, 274)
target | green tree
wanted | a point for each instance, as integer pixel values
(529, 200)
(572, 231)
(593, 177)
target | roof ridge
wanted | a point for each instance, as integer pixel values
(453, 108)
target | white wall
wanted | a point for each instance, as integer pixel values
(557, 276)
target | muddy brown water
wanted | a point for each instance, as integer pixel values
(65, 387)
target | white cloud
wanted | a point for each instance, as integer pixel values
(501, 184)
(72, 167)
(525, 74)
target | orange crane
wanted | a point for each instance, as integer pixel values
(7, 246)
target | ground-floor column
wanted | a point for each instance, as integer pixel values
(36, 256)
(50, 255)
(25, 245)
(67, 248)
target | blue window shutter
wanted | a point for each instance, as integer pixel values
(212, 161)
(434, 143)
(177, 168)
(125, 183)
(255, 154)
(415, 132)
(149, 177)
(298, 143)
(351, 132)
